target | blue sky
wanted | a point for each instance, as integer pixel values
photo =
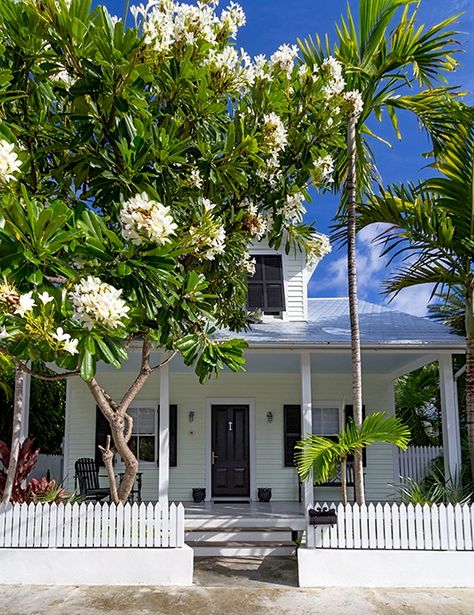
(273, 22)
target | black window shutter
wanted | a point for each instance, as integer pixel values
(102, 430)
(266, 287)
(173, 435)
(349, 414)
(291, 431)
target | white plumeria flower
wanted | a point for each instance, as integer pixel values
(26, 304)
(9, 162)
(144, 218)
(4, 333)
(61, 336)
(45, 297)
(274, 132)
(96, 302)
(70, 346)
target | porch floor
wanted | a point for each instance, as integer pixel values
(213, 515)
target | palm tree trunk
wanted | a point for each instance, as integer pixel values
(470, 374)
(351, 187)
(16, 429)
(344, 480)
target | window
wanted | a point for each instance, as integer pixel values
(144, 440)
(326, 420)
(266, 288)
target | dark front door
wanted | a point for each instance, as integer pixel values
(230, 451)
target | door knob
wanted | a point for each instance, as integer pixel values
(214, 457)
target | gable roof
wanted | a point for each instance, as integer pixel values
(328, 324)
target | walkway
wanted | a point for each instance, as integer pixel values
(235, 587)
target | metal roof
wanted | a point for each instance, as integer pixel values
(328, 324)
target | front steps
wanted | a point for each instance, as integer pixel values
(241, 542)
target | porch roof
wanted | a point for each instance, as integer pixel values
(329, 324)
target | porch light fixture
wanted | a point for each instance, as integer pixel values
(191, 416)
(269, 416)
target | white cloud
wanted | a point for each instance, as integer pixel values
(372, 270)
(413, 300)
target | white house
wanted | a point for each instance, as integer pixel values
(236, 433)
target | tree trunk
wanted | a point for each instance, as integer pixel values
(344, 480)
(351, 187)
(16, 429)
(470, 375)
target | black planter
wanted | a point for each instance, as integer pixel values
(199, 494)
(264, 494)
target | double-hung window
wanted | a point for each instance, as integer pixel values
(326, 419)
(143, 440)
(266, 287)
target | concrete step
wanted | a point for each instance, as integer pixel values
(233, 549)
(238, 536)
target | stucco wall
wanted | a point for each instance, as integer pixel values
(270, 391)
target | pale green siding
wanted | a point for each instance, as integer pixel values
(270, 391)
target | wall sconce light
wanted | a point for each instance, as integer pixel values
(269, 416)
(191, 416)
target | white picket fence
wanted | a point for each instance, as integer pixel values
(416, 461)
(91, 525)
(396, 526)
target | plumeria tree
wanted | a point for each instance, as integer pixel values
(137, 165)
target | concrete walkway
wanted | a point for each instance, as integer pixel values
(247, 586)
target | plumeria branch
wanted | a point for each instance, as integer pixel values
(27, 370)
(143, 375)
(166, 361)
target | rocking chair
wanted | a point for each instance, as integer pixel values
(87, 479)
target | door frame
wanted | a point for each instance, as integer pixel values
(231, 401)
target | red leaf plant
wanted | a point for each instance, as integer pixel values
(26, 462)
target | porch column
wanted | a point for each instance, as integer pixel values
(164, 439)
(449, 417)
(306, 416)
(25, 407)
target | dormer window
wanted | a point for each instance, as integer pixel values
(266, 288)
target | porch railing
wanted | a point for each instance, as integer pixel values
(416, 461)
(395, 526)
(91, 525)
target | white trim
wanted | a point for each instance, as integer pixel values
(67, 428)
(306, 416)
(449, 418)
(237, 401)
(164, 437)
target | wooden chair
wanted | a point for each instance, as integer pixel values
(87, 479)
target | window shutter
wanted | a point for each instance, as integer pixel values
(173, 444)
(349, 414)
(265, 287)
(273, 275)
(291, 431)
(102, 430)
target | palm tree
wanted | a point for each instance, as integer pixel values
(432, 232)
(320, 457)
(381, 55)
(417, 404)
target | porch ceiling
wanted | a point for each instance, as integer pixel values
(323, 362)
